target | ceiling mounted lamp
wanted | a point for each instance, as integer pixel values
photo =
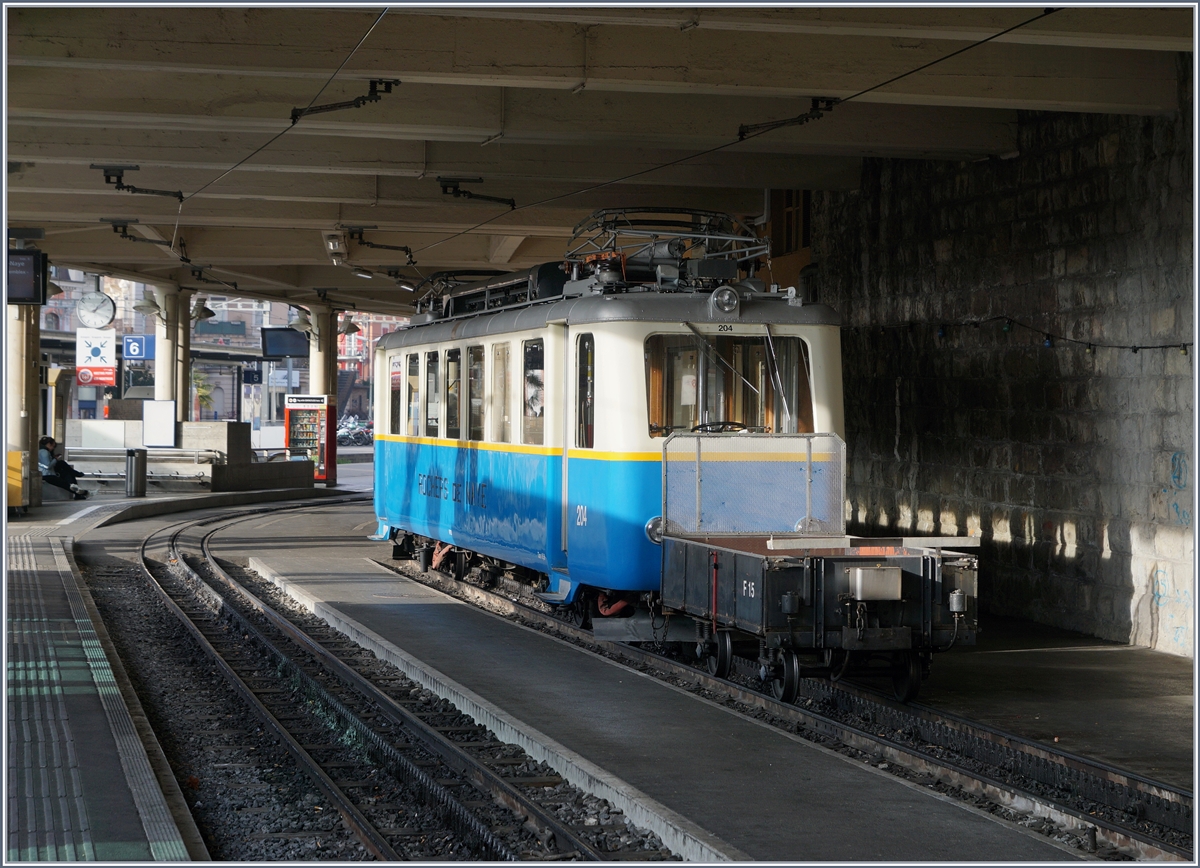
(335, 247)
(53, 289)
(302, 323)
(149, 307)
(362, 272)
(349, 327)
(200, 310)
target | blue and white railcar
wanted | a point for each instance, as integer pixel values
(521, 418)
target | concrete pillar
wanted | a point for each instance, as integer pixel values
(322, 351)
(22, 359)
(33, 397)
(15, 392)
(166, 333)
(183, 363)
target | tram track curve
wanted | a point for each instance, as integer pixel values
(387, 722)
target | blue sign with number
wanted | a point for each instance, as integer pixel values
(138, 346)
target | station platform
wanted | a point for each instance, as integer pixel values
(85, 781)
(739, 789)
(81, 785)
(1130, 707)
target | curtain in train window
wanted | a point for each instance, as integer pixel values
(534, 395)
(755, 382)
(474, 393)
(414, 395)
(501, 424)
(585, 392)
(453, 393)
(396, 384)
(432, 395)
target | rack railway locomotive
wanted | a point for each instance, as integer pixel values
(521, 424)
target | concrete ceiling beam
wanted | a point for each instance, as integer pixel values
(53, 178)
(1142, 29)
(576, 166)
(54, 100)
(502, 247)
(460, 50)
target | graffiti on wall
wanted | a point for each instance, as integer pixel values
(1174, 611)
(1175, 491)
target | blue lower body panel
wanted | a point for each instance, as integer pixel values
(508, 505)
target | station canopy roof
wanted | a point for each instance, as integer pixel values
(538, 105)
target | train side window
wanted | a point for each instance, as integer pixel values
(534, 394)
(453, 393)
(501, 426)
(474, 393)
(585, 392)
(414, 395)
(432, 395)
(748, 381)
(396, 375)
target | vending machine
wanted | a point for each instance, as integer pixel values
(310, 426)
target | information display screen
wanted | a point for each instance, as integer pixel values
(26, 282)
(282, 343)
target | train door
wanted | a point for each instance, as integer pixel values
(583, 483)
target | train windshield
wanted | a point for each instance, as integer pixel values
(728, 383)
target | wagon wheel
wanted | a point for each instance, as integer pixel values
(906, 675)
(838, 662)
(786, 684)
(720, 658)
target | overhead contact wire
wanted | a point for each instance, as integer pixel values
(282, 132)
(729, 144)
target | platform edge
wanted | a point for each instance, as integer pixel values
(682, 836)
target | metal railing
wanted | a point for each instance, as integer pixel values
(741, 484)
(195, 456)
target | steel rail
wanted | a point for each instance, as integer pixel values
(397, 764)
(1121, 836)
(1102, 782)
(370, 837)
(453, 756)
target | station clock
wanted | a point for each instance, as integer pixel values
(95, 309)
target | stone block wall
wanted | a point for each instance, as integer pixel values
(1075, 465)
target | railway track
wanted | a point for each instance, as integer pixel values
(329, 703)
(1105, 809)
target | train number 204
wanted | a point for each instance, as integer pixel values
(581, 516)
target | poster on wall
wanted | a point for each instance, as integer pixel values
(96, 357)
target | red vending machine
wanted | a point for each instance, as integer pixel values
(310, 426)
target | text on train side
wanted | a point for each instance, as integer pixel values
(441, 487)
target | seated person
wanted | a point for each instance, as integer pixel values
(57, 472)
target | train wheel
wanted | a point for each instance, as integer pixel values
(786, 685)
(720, 656)
(838, 662)
(906, 675)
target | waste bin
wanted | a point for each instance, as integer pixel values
(135, 472)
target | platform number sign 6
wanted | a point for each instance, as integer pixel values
(581, 516)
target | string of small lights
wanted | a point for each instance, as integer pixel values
(1008, 323)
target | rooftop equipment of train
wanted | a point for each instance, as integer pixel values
(652, 437)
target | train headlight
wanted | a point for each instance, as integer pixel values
(725, 299)
(654, 530)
